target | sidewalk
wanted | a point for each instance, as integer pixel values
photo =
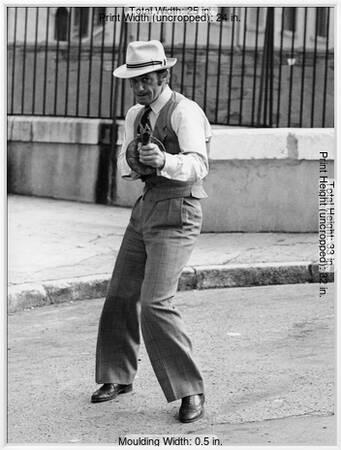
(61, 250)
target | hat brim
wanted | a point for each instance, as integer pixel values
(124, 72)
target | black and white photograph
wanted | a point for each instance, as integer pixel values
(170, 210)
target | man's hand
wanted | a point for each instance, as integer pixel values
(151, 155)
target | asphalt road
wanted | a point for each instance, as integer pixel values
(267, 356)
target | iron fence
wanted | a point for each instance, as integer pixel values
(257, 67)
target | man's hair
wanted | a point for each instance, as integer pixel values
(163, 74)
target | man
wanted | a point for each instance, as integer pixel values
(164, 225)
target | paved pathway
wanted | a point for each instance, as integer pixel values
(62, 250)
(267, 356)
(55, 239)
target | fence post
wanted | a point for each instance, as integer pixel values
(265, 99)
(114, 129)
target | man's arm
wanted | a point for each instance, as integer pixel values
(194, 132)
(123, 167)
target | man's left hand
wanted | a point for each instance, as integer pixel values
(151, 155)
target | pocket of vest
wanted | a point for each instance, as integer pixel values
(168, 213)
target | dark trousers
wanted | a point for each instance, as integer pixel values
(155, 248)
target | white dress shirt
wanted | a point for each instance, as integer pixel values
(193, 131)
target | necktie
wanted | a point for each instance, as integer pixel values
(145, 118)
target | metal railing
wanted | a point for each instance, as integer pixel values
(257, 67)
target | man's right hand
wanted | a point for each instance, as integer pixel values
(152, 156)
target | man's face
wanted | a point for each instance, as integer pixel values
(147, 88)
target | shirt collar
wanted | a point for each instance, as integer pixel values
(161, 100)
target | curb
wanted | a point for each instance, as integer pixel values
(31, 295)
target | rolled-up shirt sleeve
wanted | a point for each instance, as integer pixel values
(123, 166)
(194, 132)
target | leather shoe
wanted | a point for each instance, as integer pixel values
(192, 408)
(110, 391)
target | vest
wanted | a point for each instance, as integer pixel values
(164, 187)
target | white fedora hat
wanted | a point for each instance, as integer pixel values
(144, 57)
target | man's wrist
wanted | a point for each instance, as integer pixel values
(164, 161)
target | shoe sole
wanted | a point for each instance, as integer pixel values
(122, 391)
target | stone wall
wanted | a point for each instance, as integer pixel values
(259, 179)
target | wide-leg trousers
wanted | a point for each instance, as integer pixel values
(155, 248)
